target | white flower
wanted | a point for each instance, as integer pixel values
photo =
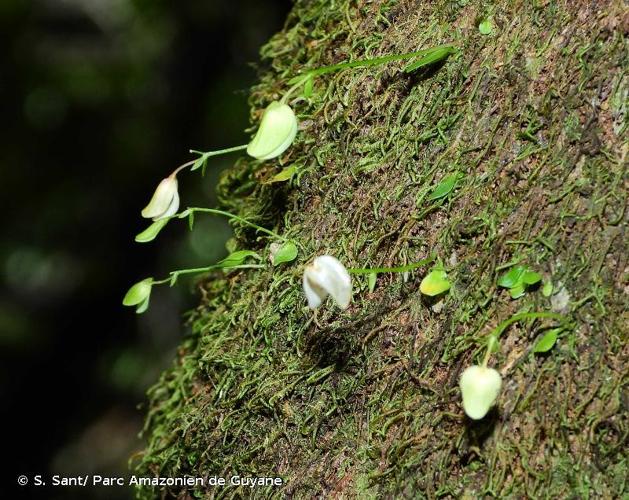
(277, 132)
(480, 387)
(165, 200)
(327, 276)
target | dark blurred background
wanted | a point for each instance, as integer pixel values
(99, 100)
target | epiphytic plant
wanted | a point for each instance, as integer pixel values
(276, 133)
(479, 384)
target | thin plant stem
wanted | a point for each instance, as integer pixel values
(398, 269)
(292, 89)
(495, 334)
(215, 211)
(208, 154)
(173, 275)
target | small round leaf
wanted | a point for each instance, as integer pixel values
(485, 27)
(435, 283)
(547, 342)
(511, 277)
(285, 253)
(531, 277)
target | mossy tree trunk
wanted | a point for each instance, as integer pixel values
(365, 402)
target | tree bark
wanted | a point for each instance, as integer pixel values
(365, 402)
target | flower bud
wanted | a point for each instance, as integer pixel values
(480, 387)
(327, 276)
(277, 132)
(165, 201)
(139, 295)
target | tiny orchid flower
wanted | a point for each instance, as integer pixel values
(480, 387)
(165, 200)
(327, 276)
(277, 132)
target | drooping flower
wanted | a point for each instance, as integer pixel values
(276, 133)
(165, 200)
(480, 387)
(327, 276)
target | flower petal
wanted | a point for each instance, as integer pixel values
(162, 198)
(276, 133)
(326, 275)
(480, 387)
(314, 293)
(172, 208)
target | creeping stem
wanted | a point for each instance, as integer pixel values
(398, 269)
(173, 275)
(214, 211)
(493, 336)
(363, 63)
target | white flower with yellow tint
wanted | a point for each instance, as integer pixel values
(165, 200)
(480, 387)
(327, 276)
(276, 133)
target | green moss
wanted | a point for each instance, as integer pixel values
(366, 404)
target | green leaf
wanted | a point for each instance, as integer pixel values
(284, 175)
(547, 290)
(138, 293)
(286, 253)
(276, 132)
(237, 258)
(151, 232)
(308, 87)
(512, 277)
(547, 342)
(531, 277)
(371, 281)
(435, 283)
(431, 56)
(485, 27)
(517, 291)
(444, 187)
(199, 162)
(143, 306)
(492, 343)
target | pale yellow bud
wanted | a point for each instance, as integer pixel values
(276, 133)
(165, 200)
(480, 387)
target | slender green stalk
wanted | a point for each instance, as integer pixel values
(204, 155)
(173, 275)
(398, 269)
(191, 210)
(208, 154)
(495, 334)
(299, 81)
(506, 323)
